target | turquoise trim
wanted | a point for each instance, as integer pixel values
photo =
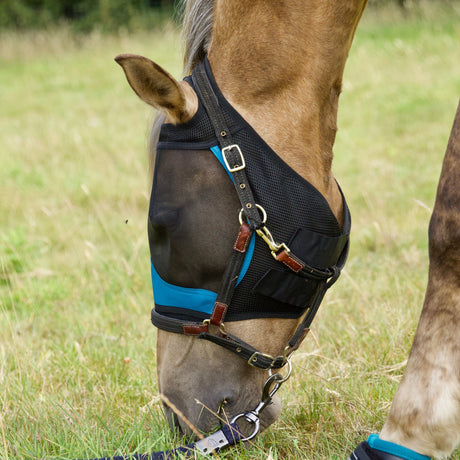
(247, 258)
(394, 449)
(177, 296)
(200, 300)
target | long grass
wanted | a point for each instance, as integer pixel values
(77, 350)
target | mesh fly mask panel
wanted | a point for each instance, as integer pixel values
(193, 219)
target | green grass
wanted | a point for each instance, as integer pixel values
(74, 280)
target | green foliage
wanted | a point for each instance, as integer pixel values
(84, 15)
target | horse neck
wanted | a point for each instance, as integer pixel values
(281, 66)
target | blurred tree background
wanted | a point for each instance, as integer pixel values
(112, 15)
(85, 15)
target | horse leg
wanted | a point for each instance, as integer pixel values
(425, 413)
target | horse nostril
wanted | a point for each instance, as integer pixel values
(222, 407)
(224, 414)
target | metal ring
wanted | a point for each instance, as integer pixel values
(256, 423)
(260, 208)
(282, 379)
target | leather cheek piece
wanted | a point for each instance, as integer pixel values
(242, 240)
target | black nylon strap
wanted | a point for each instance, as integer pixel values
(306, 322)
(228, 341)
(167, 323)
(247, 352)
(231, 152)
(230, 278)
(323, 287)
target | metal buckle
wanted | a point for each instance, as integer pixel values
(257, 354)
(237, 167)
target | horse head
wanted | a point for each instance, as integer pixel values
(244, 241)
(203, 382)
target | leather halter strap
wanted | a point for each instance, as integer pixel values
(235, 162)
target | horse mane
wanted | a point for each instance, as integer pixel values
(197, 18)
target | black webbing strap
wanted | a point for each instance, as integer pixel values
(304, 326)
(231, 274)
(231, 152)
(236, 165)
(244, 350)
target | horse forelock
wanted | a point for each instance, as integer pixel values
(196, 31)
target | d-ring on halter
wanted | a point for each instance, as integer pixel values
(260, 208)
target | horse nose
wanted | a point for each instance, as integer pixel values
(208, 410)
(195, 415)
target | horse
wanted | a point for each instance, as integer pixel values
(272, 73)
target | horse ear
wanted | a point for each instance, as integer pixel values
(158, 88)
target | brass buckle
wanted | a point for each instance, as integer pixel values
(257, 354)
(242, 163)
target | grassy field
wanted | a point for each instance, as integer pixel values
(77, 350)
